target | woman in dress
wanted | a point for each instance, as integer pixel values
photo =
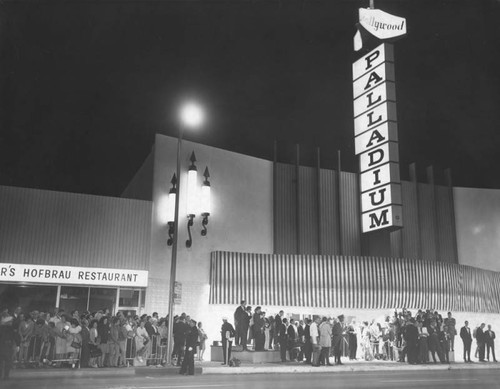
(202, 337)
(103, 329)
(26, 329)
(93, 342)
(365, 343)
(141, 339)
(61, 329)
(74, 337)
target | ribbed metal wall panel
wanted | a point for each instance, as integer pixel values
(447, 249)
(54, 228)
(351, 282)
(350, 214)
(410, 231)
(426, 218)
(286, 215)
(308, 210)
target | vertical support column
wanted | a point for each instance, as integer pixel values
(413, 179)
(339, 204)
(117, 302)
(430, 180)
(297, 199)
(275, 199)
(58, 296)
(447, 175)
(318, 182)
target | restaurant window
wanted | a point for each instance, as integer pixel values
(129, 298)
(73, 298)
(29, 297)
(102, 299)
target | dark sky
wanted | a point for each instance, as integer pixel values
(85, 85)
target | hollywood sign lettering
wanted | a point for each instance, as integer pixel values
(375, 131)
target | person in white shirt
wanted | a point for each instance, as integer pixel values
(314, 331)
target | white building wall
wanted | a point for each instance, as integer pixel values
(241, 220)
(477, 217)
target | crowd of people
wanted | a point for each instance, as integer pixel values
(99, 339)
(404, 337)
(96, 339)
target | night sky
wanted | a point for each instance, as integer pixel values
(85, 85)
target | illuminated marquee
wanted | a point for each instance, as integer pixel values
(375, 131)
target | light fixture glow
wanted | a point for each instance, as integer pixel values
(192, 115)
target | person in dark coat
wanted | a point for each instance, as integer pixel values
(283, 338)
(258, 330)
(239, 317)
(307, 341)
(411, 338)
(192, 335)
(85, 352)
(227, 334)
(444, 342)
(466, 336)
(292, 341)
(435, 344)
(179, 332)
(337, 332)
(481, 344)
(9, 342)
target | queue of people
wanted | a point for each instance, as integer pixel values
(94, 340)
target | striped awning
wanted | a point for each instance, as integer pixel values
(327, 281)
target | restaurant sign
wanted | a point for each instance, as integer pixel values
(64, 275)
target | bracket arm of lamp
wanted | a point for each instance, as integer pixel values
(189, 242)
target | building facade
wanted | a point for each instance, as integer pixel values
(281, 236)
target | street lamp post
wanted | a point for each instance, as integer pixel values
(191, 115)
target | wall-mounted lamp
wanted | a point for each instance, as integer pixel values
(191, 197)
(172, 194)
(205, 202)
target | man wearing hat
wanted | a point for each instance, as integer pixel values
(227, 335)
(8, 341)
(187, 367)
(337, 333)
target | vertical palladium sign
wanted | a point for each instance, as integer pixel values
(376, 137)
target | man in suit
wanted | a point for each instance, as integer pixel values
(282, 337)
(489, 338)
(337, 333)
(466, 336)
(227, 336)
(300, 330)
(292, 340)
(179, 332)
(450, 322)
(307, 341)
(187, 367)
(240, 316)
(410, 335)
(481, 342)
(258, 329)
(278, 319)
(353, 340)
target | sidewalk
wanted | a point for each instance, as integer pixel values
(269, 368)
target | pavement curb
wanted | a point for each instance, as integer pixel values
(253, 369)
(339, 369)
